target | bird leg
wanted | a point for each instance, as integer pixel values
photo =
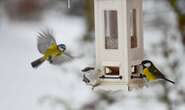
(50, 59)
(93, 86)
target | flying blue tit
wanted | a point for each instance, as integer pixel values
(48, 47)
(152, 73)
(91, 76)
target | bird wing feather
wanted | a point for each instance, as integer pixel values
(45, 40)
(61, 59)
(156, 72)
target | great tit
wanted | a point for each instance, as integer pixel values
(48, 47)
(152, 73)
(91, 76)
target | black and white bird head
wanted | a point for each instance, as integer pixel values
(90, 75)
(146, 63)
(87, 71)
(62, 47)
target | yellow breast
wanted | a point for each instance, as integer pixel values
(52, 51)
(148, 74)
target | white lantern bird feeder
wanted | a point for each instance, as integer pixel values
(119, 43)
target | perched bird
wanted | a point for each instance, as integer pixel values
(152, 73)
(52, 52)
(91, 76)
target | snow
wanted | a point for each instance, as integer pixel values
(21, 85)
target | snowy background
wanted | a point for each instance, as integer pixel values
(53, 87)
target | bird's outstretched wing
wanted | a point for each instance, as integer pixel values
(44, 41)
(62, 59)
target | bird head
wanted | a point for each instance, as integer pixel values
(62, 47)
(146, 63)
(87, 69)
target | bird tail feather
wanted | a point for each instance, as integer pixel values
(37, 62)
(169, 81)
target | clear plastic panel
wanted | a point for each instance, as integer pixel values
(133, 28)
(111, 29)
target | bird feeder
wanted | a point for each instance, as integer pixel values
(119, 43)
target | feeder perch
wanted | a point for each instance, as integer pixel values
(119, 43)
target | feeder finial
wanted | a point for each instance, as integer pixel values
(68, 3)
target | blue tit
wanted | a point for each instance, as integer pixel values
(49, 49)
(152, 73)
